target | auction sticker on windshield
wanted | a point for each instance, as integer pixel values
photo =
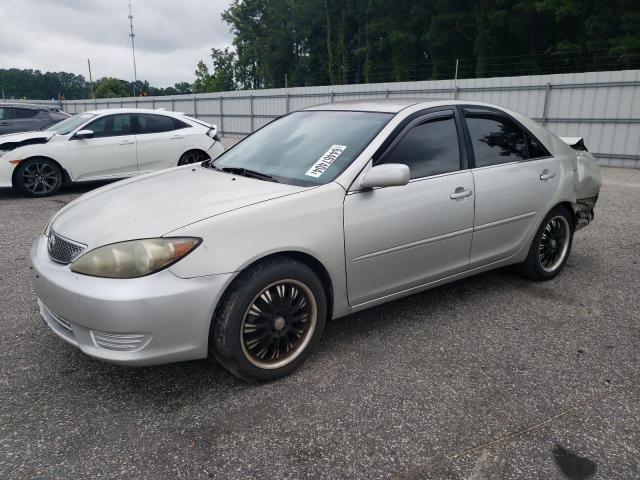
(325, 161)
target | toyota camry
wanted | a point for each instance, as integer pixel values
(323, 212)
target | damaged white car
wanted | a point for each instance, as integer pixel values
(321, 213)
(103, 145)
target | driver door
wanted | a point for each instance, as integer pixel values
(110, 153)
(399, 238)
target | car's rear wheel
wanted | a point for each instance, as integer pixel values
(269, 321)
(38, 177)
(550, 247)
(192, 156)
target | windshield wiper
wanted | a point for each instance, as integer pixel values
(245, 172)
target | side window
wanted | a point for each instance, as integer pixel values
(429, 148)
(25, 112)
(110, 126)
(178, 124)
(495, 139)
(154, 124)
(536, 149)
(6, 113)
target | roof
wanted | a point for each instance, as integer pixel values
(132, 110)
(389, 105)
(39, 106)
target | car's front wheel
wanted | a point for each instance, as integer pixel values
(269, 321)
(550, 247)
(192, 156)
(38, 177)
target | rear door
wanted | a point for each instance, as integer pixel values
(111, 153)
(515, 178)
(398, 238)
(160, 141)
(26, 119)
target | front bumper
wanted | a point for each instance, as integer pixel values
(143, 321)
(6, 172)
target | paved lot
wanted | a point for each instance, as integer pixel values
(490, 377)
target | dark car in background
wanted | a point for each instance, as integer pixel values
(25, 117)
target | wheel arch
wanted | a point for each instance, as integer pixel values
(66, 178)
(188, 150)
(305, 258)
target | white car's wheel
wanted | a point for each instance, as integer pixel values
(38, 177)
(192, 156)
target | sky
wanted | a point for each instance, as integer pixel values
(171, 36)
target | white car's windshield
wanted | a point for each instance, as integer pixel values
(304, 148)
(70, 124)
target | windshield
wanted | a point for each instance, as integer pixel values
(305, 148)
(70, 124)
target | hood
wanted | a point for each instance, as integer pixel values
(11, 141)
(156, 204)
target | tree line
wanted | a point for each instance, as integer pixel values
(281, 43)
(320, 42)
(34, 84)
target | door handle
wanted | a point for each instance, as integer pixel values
(460, 193)
(547, 175)
(176, 137)
(4, 124)
(126, 142)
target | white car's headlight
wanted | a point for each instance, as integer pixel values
(135, 258)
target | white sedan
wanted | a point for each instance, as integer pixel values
(103, 145)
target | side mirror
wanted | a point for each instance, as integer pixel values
(82, 134)
(387, 175)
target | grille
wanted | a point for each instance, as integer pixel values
(62, 250)
(123, 342)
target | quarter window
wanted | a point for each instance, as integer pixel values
(154, 124)
(110, 126)
(25, 112)
(429, 148)
(536, 150)
(495, 139)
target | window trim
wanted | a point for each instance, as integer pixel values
(416, 120)
(86, 126)
(498, 113)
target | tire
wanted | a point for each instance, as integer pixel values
(192, 156)
(269, 321)
(551, 246)
(38, 177)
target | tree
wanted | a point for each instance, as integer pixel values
(109, 87)
(204, 80)
(183, 88)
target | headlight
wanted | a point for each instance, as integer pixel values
(136, 258)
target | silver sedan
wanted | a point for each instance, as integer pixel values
(321, 213)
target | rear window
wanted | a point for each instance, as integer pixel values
(154, 124)
(25, 113)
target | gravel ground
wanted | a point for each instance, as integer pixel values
(490, 377)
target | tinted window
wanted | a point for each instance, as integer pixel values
(179, 124)
(536, 150)
(25, 112)
(428, 149)
(495, 139)
(154, 124)
(307, 147)
(6, 113)
(110, 126)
